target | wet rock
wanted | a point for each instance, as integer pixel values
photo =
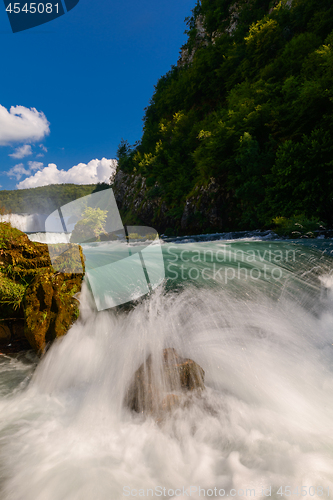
(170, 402)
(19, 260)
(35, 299)
(49, 307)
(159, 385)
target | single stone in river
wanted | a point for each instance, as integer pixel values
(160, 385)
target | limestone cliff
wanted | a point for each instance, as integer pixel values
(207, 206)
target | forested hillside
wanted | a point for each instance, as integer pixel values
(45, 199)
(241, 130)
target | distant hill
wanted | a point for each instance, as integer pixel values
(45, 199)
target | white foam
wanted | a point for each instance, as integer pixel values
(50, 237)
(264, 421)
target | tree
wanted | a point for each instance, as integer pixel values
(90, 227)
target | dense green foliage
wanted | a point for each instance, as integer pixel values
(45, 199)
(253, 110)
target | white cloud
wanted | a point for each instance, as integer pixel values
(21, 124)
(22, 151)
(17, 171)
(35, 165)
(43, 148)
(91, 173)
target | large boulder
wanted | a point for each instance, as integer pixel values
(49, 307)
(159, 385)
(36, 297)
(20, 260)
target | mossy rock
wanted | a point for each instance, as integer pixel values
(67, 258)
(49, 307)
(18, 253)
(20, 258)
(31, 287)
(11, 295)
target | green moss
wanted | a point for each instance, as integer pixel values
(11, 293)
(31, 286)
(49, 307)
(67, 258)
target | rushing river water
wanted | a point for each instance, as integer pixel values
(256, 315)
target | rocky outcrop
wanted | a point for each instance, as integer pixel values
(187, 53)
(49, 307)
(36, 298)
(20, 259)
(203, 39)
(206, 207)
(140, 204)
(162, 384)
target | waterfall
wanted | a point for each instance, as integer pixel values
(34, 225)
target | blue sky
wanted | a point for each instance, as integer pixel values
(81, 83)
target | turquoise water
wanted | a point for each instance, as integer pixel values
(256, 315)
